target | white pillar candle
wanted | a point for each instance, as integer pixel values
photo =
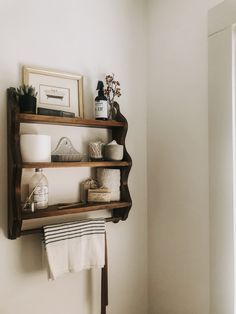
(35, 148)
(110, 179)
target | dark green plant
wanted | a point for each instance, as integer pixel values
(26, 90)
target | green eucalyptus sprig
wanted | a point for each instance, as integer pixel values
(26, 90)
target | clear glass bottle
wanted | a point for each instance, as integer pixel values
(39, 184)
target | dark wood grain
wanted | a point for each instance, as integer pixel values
(119, 134)
(14, 167)
(34, 118)
(120, 210)
(54, 211)
(104, 282)
(91, 164)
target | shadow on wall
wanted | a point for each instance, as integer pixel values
(31, 253)
(3, 168)
(31, 260)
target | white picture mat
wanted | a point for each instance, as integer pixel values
(54, 95)
(72, 104)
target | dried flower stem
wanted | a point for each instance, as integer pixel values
(112, 88)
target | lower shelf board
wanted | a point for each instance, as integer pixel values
(54, 210)
(71, 164)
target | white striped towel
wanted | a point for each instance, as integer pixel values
(74, 246)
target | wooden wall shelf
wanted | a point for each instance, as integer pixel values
(119, 127)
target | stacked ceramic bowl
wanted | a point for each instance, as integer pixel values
(114, 151)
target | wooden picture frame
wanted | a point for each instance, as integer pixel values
(56, 90)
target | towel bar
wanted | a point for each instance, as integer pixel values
(40, 230)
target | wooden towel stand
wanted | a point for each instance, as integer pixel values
(104, 282)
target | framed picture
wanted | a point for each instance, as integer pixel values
(56, 90)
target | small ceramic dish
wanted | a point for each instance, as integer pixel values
(65, 151)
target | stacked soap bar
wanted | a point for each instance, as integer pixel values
(99, 195)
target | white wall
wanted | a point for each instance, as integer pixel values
(222, 156)
(178, 157)
(221, 171)
(93, 38)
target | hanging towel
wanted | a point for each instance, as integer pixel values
(74, 246)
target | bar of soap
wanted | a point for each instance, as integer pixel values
(99, 195)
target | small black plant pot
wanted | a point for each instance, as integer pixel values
(27, 104)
